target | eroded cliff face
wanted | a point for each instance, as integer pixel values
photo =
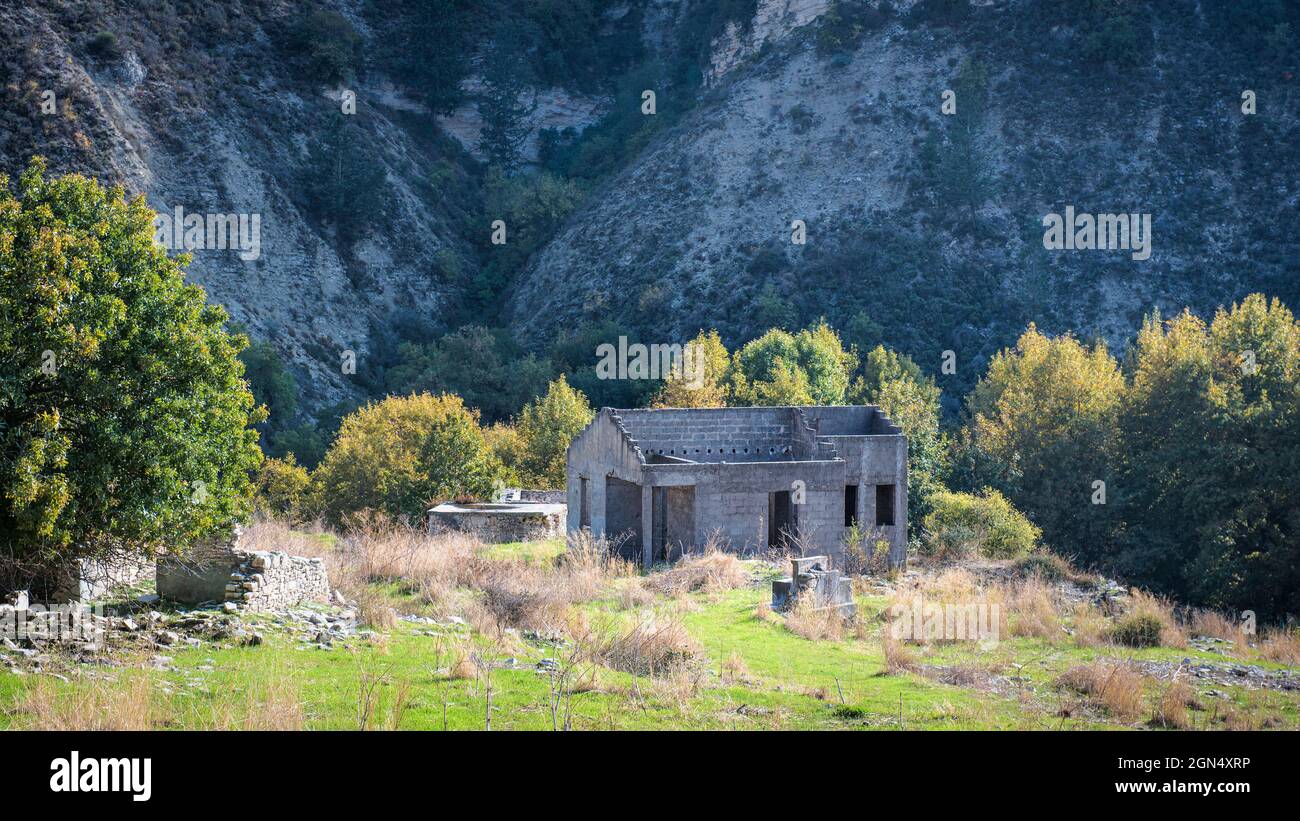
(772, 21)
(203, 114)
(927, 227)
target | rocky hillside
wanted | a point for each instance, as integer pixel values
(201, 106)
(925, 229)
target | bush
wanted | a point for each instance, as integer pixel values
(403, 454)
(1137, 630)
(104, 45)
(963, 524)
(282, 489)
(1047, 565)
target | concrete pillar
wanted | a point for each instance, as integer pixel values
(861, 512)
(647, 526)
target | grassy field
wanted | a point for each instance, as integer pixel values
(530, 640)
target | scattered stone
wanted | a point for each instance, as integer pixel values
(168, 637)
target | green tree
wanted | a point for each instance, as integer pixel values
(895, 384)
(1209, 444)
(501, 104)
(342, 181)
(402, 455)
(547, 426)
(780, 368)
(1042, 423)
(327, 44)
(124, 416)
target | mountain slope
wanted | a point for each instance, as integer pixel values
(925, 230)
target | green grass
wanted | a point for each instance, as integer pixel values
(784, 681)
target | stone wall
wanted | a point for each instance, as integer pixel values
(218, 570)
(528, 522)
(277, 581)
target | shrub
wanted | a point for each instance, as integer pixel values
(403, 454)
(1137, 630)
(104, 45)
(283, 489)
(962, 524)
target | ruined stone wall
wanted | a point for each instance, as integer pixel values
(497, 527)
(218, 570)
(277, 581)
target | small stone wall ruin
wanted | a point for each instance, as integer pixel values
(218, 570)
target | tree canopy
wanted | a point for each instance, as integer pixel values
(124, 415)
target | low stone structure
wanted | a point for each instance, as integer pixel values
(218, 570)
(812, 576)
(497, 522)
(87, 580)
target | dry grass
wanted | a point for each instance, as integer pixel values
(808, 621)
(1091, 627)
(656, 647)
(1171, 710)
(91, 705)
(1031, 608)
(734, 670)
(712, 571)
(272, 703)
(1147, 605)
(1114, 686)
(1282, 646)
(898, 657)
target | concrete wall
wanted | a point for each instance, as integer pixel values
(740, 456)
(600, 450)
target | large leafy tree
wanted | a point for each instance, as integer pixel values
(1210, 452)
(403, 454)
(124, 415)
(1041, 430)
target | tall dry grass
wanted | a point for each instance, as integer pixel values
(1111, 685)
(711, 571)
(1282, 646)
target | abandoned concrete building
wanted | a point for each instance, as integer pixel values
(661, 482)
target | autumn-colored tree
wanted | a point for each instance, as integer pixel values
(700, 382)
(1209, 449)
(283, 489)
(403, 454)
